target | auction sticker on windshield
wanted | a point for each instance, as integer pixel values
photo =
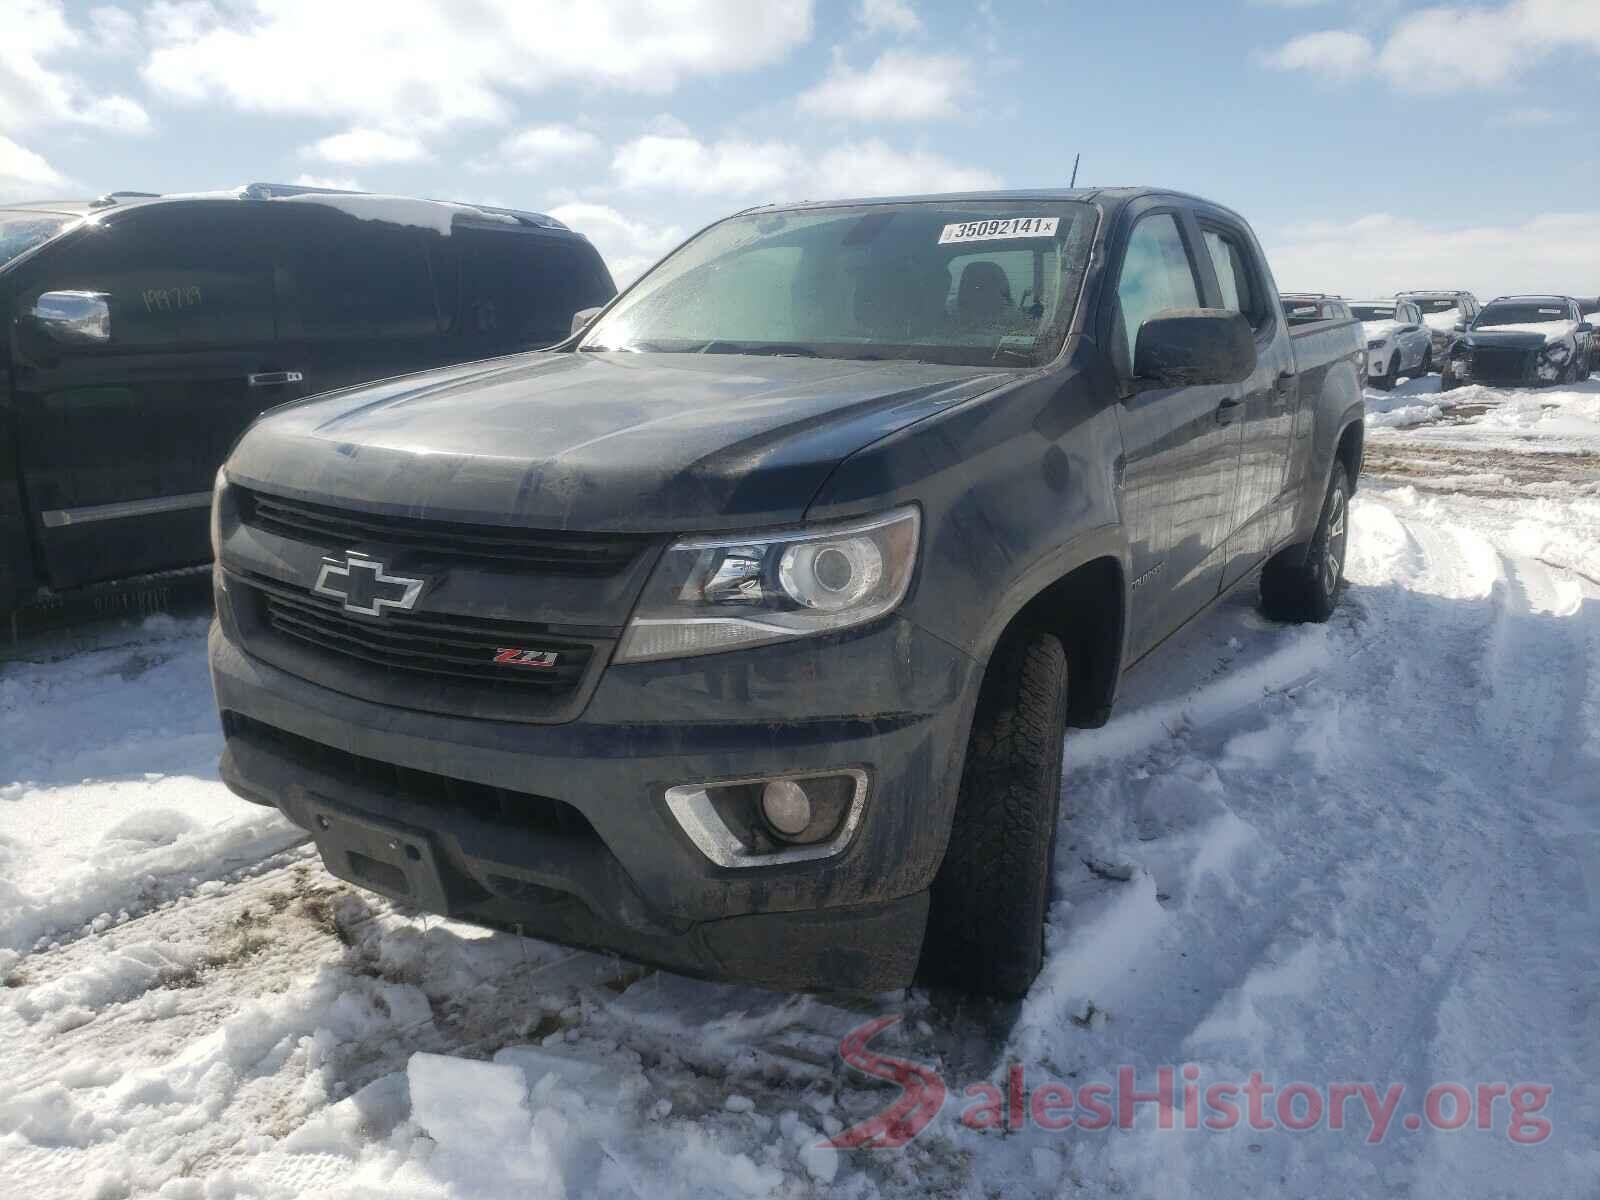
(1008, 227)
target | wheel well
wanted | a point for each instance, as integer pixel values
(1351, 443)
(1083, 608)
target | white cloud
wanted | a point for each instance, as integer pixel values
(686, 164)
(1380, 254)
(34, 91)
(23, 173)
(343, 183)
(888, 16)
(779, 170)
(1333, 54)
(421, 66)
(1451, 48)
(629, 246)
(1525, 118)
(538, 147)
(897, 87)
(367, 147)
(872, 168)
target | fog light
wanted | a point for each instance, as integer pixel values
(786, 807)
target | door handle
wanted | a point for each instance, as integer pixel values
(1225, 414)
(274, 378)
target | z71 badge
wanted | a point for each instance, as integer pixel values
(515, 656)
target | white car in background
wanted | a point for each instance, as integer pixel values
(1442, 311)
(1398, 341)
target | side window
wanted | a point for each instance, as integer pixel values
(175, 279)
(1156, 275)
(362, 280)
(1236, 277)
(503, 291)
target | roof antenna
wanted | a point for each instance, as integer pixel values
(1075, 159)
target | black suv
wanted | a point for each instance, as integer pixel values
(145, 332)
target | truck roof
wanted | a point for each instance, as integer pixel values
(406, 210)
(1107, 195)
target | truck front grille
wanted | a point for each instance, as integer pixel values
(500, 547)
(435, 645)
(1499, 366)
(432, 662)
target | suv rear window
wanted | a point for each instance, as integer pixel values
(507, 290)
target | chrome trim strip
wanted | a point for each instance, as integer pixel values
(698, 817)
(57, 518)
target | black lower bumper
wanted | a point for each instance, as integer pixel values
(560, 832)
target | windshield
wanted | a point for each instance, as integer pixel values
(1524, 313)
(970, 282)
(23, 231)
(1432, 307)
(1373, 312)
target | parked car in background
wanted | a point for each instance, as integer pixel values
(1522, 341)
(1589, 309)
(145, 332)
(1399, 343)
(1442, 310)
(1313, 308)
(740, 633)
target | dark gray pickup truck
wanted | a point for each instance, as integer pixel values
(740, 632)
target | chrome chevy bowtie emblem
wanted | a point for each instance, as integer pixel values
(364, 585)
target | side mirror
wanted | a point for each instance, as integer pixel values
(582, 319)
(73, 318)
(1585, 327)
(1188, 347)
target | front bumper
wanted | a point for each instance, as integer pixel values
(1378, 363)
(365, 777)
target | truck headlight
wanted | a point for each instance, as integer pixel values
(218, 486)
(724, 593)
(1377, 344)
(1558, 353)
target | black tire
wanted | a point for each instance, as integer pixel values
(1425, 367)
(987, 912)
(1308, 589)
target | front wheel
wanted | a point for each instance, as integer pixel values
(1425, 368)
(986, 920)
(1386, 381)
(1308, 589)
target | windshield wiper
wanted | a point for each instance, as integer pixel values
(774, 349)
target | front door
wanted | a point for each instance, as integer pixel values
(1180, 445)
(119, 440)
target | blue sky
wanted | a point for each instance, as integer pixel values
(1374, 144)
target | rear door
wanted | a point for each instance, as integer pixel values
(506, 288)
(1237, 280)
(118, 441)
(358, 298)
(1180, 444)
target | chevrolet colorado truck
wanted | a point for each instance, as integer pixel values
(739, 633)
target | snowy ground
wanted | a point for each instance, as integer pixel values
(1367, 853)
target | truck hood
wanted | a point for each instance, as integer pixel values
(1526, 337)
(1375, 331)
(616, 441)
(1442, 322)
